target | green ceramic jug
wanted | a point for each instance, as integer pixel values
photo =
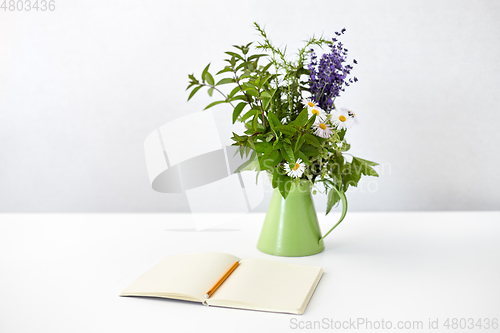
(291, 226)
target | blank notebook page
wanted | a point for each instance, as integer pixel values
(188, 274)
(268, 284)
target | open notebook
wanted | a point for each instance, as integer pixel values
(256, 284)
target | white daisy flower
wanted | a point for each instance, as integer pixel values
(322, 129)
(308, 103)
(313, 108)
(317, 111)
(297, 170)
(342, 119)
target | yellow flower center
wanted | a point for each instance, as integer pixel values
(322, 126)
(342, 118)
(297, 165)
(314, 111)
(311, 104)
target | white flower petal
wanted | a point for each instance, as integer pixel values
(342, 119)
(323, 133)
(307, 103)
(298, 171)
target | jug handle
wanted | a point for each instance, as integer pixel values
(344, 210)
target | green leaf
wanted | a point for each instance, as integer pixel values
(233, 92)
(194, 91)
(286, 129)
(277, 160)
(301, 119)
(241, 149)
(213, 104)
(191, 84)
(351, 175)
(265, 103)
(238, 97)
(310, 122)
(284, 185)
(275, 178)
(248, 115)
(266, 67)
(311, 139)
(369, 171)
(246, 75)
(364, 166)
(267, 152)
(205, 71)
(192, 78)
(273, 120)
(237, 110)
(345, 146)
(210, 92)
(342, 196)
(255, 122)
(335, 167)
(264, 81)
(261, 147)
(252, 92)
(265, 94)
(342, 134)
(239, 138)
(309, 150)
(236, 55)
(251, 143)
(266, 99)
(233, 61)
(225, 81)
(304, 158)
(209, 78)
(249, 131)
(256, 56)
(333, 199)
(243, 64)
(225, 70)
(287, 153)
(299, 142)
(338, 166)
(268, 159)
(251, 164)
(366, 161)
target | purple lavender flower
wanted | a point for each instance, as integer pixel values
(328, 78)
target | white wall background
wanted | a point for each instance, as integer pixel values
(82, 86)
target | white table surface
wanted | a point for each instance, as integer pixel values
(63, 272)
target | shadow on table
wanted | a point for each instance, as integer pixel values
(161, 299)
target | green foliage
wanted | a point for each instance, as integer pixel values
(266, 96)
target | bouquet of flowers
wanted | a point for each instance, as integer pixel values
(294, 130)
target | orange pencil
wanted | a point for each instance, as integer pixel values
(221, 280)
